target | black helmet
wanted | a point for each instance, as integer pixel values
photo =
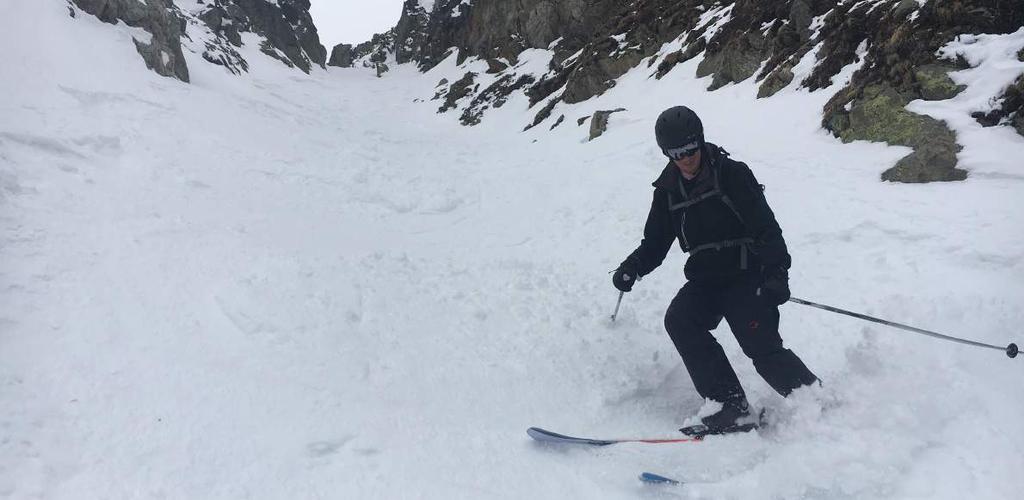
(678, 127)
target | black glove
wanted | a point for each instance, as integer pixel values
(774, 285)
(625, 276)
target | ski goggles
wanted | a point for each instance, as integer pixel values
(682, 151)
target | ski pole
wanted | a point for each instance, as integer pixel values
(1010, 350)
(617, 304)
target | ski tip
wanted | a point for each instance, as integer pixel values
(652, 478)
(546, 436)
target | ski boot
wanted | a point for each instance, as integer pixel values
(734, 417)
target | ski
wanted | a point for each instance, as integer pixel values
(546, 436)
(652, 478)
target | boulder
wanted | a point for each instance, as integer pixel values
(599, 122)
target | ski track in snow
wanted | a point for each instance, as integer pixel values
(290, 286)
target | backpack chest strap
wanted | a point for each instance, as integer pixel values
(743, 243)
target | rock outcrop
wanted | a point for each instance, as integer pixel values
(215, 28)
(285, 27)
(162, 53)
(341, 56)
(879, 115)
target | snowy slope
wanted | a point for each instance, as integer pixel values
(291, 286)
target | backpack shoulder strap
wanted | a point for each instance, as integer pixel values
(720, 164)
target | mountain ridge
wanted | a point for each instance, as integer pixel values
(596, 44)
(896, 43)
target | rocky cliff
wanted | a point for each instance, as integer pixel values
(595, 42)
(283, 29)
(162, 53)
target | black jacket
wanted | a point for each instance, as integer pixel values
(740, 214)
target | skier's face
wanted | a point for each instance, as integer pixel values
(689, 165)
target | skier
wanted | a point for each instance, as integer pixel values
(737, 269)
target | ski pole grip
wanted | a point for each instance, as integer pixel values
(1012, 351)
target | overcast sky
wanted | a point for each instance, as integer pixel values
(353, 21)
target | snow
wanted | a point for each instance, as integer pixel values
(874, 4)
(534, 62)
(283, 285)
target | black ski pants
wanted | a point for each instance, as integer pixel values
(700, 307)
